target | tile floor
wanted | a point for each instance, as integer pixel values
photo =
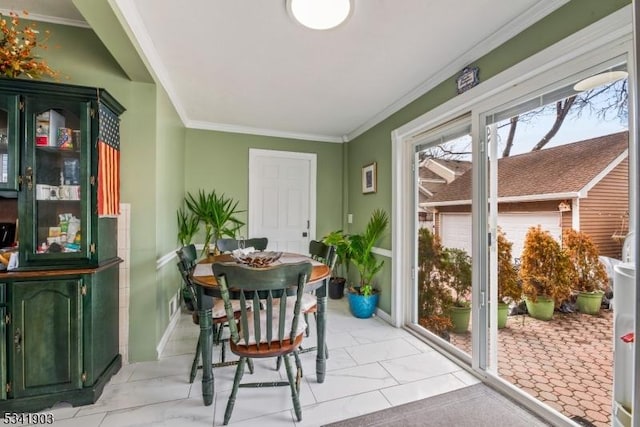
(372, 366)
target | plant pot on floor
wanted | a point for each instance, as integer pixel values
(541, 309)
(460, 319)
(336, 287)
(503, 313)
(589, 302)
(362, 306)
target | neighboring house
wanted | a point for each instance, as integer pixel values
(583, 185)
(435, 174)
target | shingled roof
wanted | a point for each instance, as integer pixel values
(564, 169)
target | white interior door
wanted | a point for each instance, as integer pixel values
(282, 198)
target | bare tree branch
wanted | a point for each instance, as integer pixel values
(562, 109)
(512, 133)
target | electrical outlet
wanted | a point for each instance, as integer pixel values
(350, 218)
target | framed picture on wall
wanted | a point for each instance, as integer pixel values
(369, 178)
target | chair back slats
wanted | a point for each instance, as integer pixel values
(229, 245)
(324, 253)
(188, 255)
(276, 292)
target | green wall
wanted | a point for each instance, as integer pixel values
(375, 144)
(152, 165)
(220, 161)
(161, 160)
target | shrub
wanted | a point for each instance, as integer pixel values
(545, 269)
(588, 275)
(509, 288)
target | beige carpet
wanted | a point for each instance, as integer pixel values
(474, 406)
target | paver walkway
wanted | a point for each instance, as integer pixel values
(566, 362)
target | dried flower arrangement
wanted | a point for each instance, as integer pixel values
(16, 49)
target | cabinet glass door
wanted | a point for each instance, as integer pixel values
(56, 174)
(9, 137)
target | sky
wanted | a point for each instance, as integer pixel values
(574, 128)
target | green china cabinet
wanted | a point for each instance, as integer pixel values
(59, 307)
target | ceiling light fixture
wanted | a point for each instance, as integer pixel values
(599, 80)
(320, 14)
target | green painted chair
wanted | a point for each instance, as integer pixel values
(274, 328)
(326, 254)
(187, 256)
(229, 245)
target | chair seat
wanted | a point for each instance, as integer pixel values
(218, 312)
(276, 349)
(302, 325)
(309, 303)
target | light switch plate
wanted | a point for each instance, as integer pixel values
(350, 218)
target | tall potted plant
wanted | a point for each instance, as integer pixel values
(509, 289)
(434, 299)
(338, 280)
(363, 299)
(188, 226)
(589, 277)
(545, 271)
(219, 215)
(455, 272)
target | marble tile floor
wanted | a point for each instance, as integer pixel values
(372, 366)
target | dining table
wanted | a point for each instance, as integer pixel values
(207, 288)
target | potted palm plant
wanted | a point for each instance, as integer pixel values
(188, 226)
(545, 272)
(589, 277)
(363, 299)
(455, 272)
(509, 289)
(219, 215)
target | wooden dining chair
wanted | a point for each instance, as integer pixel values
(326, 254)
(229, 245)
(218, 317)
(187, 257)
(273, 328)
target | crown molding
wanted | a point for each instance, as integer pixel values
(223, 127)
(513, 28)
(51, 19)
(130, 16)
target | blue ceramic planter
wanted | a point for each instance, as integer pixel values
(362, 307)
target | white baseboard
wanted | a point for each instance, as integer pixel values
(167, 332)
(384, 316)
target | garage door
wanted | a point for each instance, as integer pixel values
(455, 229)
(515, 227)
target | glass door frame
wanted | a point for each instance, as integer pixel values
(598, 43)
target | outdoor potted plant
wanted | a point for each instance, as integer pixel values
(363, 299)
(455, 272)
(589, 276)
(509, 289)
(434, 299)
(545, 272)
(337, 282)
(219, 215)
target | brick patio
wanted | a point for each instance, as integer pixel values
(566, 362)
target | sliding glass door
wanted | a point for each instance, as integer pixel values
(557, 168)
(442, 164)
